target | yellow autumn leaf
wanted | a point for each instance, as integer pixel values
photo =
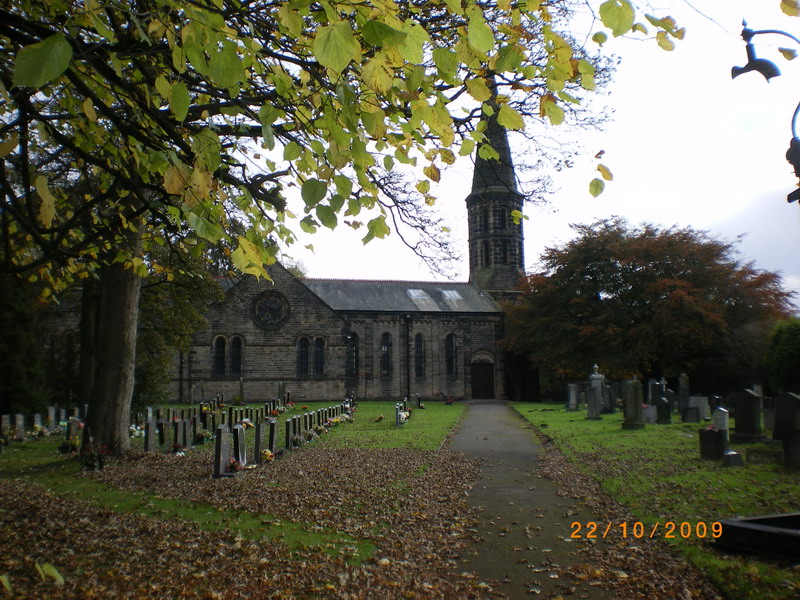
(175, 179)
(478, 89)
(47, 209)
(605, 172)
(432, 173)
(88, 110)
(788, 53)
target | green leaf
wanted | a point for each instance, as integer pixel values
(446, 62)
(39, 63)
(313, 191)
(376, 228)
(617, 15)
(510, 118)
(50, 571)
(378, 33)
(596, 187)
(225, 67)
(7, 147)
(205, 228)
(478, 89)
(179, 102)
(326, 216)
(207, 146)
(479, 34)
(335, 46)
(600, 38)
(292, 151)
(6, 583)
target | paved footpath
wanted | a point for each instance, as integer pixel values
(521, 541)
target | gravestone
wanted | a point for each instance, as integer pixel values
(271, 443)
(288, 426)
(258, 443)
(62, 415)
(649, 413)
(787, 415)
(19, 427)
(691, 415)
(188, 433)
(663, 411)
(597, 386)
(150, 436)
(222, 454)
(573, 403)
(239, 447)
(701, 404)
(51, 416)
(653, 391)
(749, 418)
(712, 446)
(791, 450)
(632, 405)
(683, 393)
(5, 423)
(769, 421)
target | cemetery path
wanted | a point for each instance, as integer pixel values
(523, 543)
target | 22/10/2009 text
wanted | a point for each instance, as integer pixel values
(637, 529)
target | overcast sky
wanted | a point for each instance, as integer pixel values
(687, 146)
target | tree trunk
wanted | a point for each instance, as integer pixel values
(114, 340)
(89, 298)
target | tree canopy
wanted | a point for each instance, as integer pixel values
(646, 301)
(783, 356)
(193, 116)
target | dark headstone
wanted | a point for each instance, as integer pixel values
(663, 411)
(732, 459)
(239, 447)
(712, 444)
(787, 415)
(632, 405)
(150, 436)
(222, 454)
(258, 443)
(749, 418)
(791, 450)
(273, 423)
(691, 415)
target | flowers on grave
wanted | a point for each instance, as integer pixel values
(275, 413)
(204, 409)
(346, 418)
(311, 435)
(247, 423)
(234, 465)
(304, 407)
(298, 440)
(135, 431)
(290, 405)
(422, 405)
(203, 435)
(267, 455)
(320, 429)
(403, 417)
(379, 418)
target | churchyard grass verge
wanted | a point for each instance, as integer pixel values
(657, 473)
(40, 463)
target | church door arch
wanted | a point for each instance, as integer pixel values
(482, 376)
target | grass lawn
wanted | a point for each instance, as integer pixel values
(657, 473)
(347, 514)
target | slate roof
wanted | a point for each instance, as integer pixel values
(402, 296)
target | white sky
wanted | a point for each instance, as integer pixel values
(688, 146)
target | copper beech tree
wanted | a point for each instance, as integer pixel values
(648, 302)
(127, 125)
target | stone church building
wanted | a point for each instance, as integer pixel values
(384, 340)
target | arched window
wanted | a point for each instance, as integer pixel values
(451, 365)
(486, 258)
(500, 218)
(236, 353)
(386, 355)
(351, 366)
(419, 356)
(303, 348)
(218, 357)
(319, 356)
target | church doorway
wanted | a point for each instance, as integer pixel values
(482, 375)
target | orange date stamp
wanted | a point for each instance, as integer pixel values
(636, 529)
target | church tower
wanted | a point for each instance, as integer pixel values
(496, 261)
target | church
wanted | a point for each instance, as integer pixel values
(381, 340)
